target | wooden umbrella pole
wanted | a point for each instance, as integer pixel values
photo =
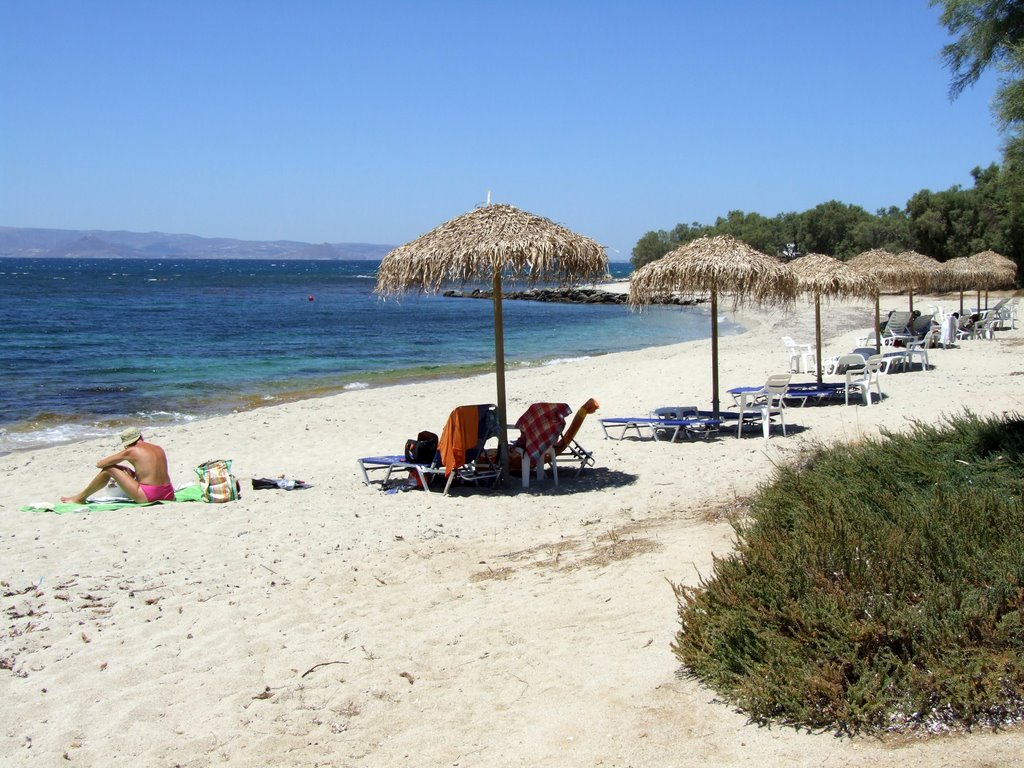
(878, 325)
(817, 332)
(714, 353)
(499, 359)
(911, 301)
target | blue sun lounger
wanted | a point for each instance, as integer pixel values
(819, 393)
(397, 463)
(803, 392)
(668, 426)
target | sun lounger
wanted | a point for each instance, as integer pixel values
(460, 453)
(897, 328)
(567, 448)
(379, 469)
(689, 422)
(819, 393)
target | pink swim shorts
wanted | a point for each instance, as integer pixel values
(158, 492)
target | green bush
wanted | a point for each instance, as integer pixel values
(877, 586)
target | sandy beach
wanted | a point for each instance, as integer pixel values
(342, 626)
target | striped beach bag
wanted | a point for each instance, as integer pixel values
(216, 481)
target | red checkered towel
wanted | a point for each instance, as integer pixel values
(540, 427)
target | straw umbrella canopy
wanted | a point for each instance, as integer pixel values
(928, 271)
(1004, 268)
(484, 244)
(892, 273)
(1000, 272)
(827, 276)
(714, 265)
(962, 274)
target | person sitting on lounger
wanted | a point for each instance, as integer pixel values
(145, 481)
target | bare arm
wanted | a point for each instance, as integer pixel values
(113, 459)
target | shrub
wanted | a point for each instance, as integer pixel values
(876, 586)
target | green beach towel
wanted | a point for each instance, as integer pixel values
(188, 493)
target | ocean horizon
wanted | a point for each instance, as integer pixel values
(90, 345)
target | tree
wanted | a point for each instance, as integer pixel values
(756, 230)
(829, 228)
(1000, 200)
(889, 229)
(990, 34)
(651, 247)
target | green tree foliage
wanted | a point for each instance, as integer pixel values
(990, 33)
(889, 228)
(651, 247)
(945, 224)
(829, 228)
(756, 230)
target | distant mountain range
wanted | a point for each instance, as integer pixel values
(100, 244)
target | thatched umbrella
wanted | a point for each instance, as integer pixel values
(928, 271)
(893, 273)
(1000, 272)
(962, 274)
(826, 276)
(485, 244)
(714, 265)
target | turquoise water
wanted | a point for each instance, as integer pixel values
(89, 345)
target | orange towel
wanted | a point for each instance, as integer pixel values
(588, 407)
(458, 437)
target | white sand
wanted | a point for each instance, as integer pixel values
(484, 629)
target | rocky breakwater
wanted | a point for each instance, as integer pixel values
(561, 295)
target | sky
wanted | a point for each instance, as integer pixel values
(373, 122)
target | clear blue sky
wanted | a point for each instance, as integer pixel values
(376, 121)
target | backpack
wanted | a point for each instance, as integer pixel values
(422, 450)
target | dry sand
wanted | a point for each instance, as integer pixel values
(340, 626)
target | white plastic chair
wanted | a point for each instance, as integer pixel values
(986, 327)
(862, 379)
(965, 328)
(768, 401)
(918, 349)
(801, 356)
(1009, 314)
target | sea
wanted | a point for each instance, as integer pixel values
(88, 346)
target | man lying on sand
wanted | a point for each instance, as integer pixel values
(148, 481)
